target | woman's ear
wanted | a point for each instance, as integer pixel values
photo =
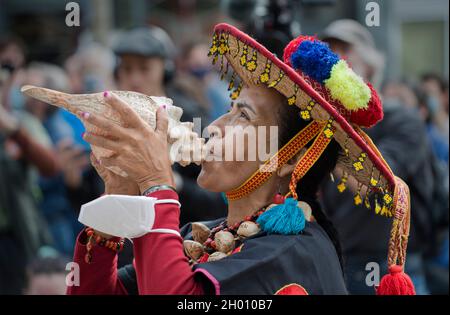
(288, 168)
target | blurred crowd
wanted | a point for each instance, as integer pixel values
(45, 175)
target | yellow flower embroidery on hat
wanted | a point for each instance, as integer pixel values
(358, 166)
(367, 201)
(293, 98)
(223, 46)
(385, 211)
(251, 65)
(265, 76)
(373, 181)
(341, 187)
(357, 199)
(231, 85)
(387, 198)
(306, 113)
(328, 131)
(235, 94)
(377, 206)
(274, 83)
(243, 58)
(213, 48)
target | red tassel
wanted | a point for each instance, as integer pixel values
(396, 283)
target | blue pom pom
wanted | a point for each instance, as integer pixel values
(315, 59)
(286, 219)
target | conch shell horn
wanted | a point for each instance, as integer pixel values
(185, 146)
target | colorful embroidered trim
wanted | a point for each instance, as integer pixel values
(287, 152)
(311, 156)
(400, 226)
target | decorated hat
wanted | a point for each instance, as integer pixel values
(338, 104)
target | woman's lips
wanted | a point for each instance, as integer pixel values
(210, 152)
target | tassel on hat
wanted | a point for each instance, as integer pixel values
(397, 282)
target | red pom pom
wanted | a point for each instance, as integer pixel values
(370, 116)
(396, 283)
(293, 45)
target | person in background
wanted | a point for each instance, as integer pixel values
(90, 70)
(401, 138)
(436, 92)
(438, 254)
(199, 78)
(145, 65)
(46, 274)
(23, 154)
(55, 203)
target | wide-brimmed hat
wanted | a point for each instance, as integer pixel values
(326, 90)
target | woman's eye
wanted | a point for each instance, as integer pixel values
(245, 116)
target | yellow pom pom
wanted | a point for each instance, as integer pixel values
(347, 87)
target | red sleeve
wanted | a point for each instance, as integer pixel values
(161, 266)
(98, 277)
(44, 159)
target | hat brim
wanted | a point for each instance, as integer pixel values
(254, 64)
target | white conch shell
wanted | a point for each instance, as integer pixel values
(185, 146)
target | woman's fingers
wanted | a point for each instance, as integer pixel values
(128, 115)
(110, 161)
(108, 127)
(94, 160)
(103, 142)
(162, 121)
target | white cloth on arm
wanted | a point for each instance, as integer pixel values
(123, 216)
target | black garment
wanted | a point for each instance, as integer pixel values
(402, 140)
(267, 263)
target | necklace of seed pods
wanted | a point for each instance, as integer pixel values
(223, 240)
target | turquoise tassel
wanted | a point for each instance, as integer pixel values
(224, 197)
(286, 219)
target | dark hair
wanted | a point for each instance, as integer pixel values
(47, 265)
(290, 124)
(10, 40)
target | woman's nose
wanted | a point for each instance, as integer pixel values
(217, 127)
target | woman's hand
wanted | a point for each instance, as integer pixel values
(138, 149)
(114, 184)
